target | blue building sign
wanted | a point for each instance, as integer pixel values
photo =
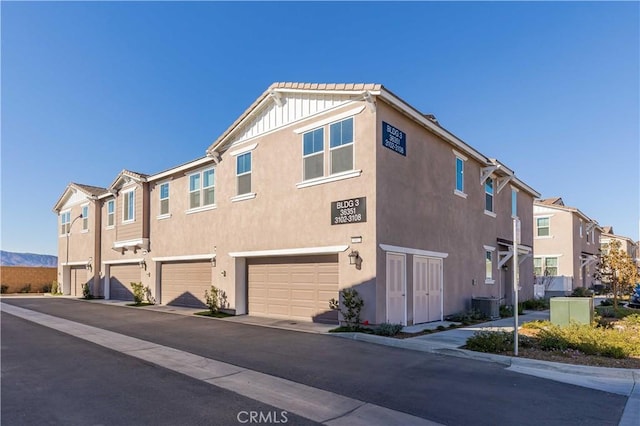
(394, 139)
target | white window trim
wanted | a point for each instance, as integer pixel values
(352, 143)
(163, 216)
(126, 194)
(82, 206)
(200, 190)
(326, 179)
(493, 196)
(461, 157)
(243, 197)
(201, 209)
(535, 228)
(460, 194)
(490, 213)
(63, 212)
(324, 157)
(513, 188)
(243, 150)
(160, 199)
(114, 214)
(333, 119)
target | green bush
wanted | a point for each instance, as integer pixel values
(495, 341)
(4, 288)
(138, 292)
(507, 310)
(55, 288)
(386, 329)
(213, 299)
(467, 317)
(611, 312)
(606, 302)
(536, 304)
(350, 307)
(26, 289)
(86, 291)
(582, 292)
(590, 340)
(536, 325)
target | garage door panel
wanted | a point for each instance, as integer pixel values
(120, 281)
(184, 283)
(294, 288)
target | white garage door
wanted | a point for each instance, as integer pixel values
(294, 287)
(121, 277)
(184, 283)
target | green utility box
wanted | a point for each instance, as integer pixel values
(571, 309)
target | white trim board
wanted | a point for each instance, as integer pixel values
(290, 252)
(78, 263)
(122, 261)
(185, 257)
(419, 252)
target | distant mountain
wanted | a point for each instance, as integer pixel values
(8, 258)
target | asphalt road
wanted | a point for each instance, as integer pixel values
(447, 390)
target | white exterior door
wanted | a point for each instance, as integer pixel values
(420, 289)
(435, 290)
(427, 289)
(396, 283)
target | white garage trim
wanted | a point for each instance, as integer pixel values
(123, 261)
(81, 263)
(185, 257)
(290, 252)
(406, 250)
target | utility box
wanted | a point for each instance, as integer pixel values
(488, 306)
(565, 310)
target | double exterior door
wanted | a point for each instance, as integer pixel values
(427, 289)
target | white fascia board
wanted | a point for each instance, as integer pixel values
(434, 128)
(122, 261)
(78, 263)
(130, 243)
(243, 150)
(413, 251)
(327, 92)
(290, 252)
(338, 117)
(193, 164)
(185, 257)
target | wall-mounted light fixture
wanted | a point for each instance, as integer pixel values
(143, 264)
(223, 273)
(213, 262)
(355, 259)
(90, 264)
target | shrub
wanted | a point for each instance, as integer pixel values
(86, 291)
(386, 329)
(350, 307)
(606, 302)
(25, 289)
(611, 312)
(536, 325)
(536, 304)
(582, 292)
(138, 292)
(213, 299)
(467, 317)
(507, 310)
(490, 341)
(4, 288)
(55, 288)
(591, 340)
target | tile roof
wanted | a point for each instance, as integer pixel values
(96, 191)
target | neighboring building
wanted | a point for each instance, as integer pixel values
(317, 188)
(627, 245)
(566, 246)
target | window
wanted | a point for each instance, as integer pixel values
(542, 225)
(543, 266)
(514, 202)
(589, 237)
(65, 221)
(164, 198)
(111, 213)
(488, 275)
(459, 174)
(488, 199)
(313, 154)
(128, 206)
(201, 189)
(85, 218)
(243, 173)
(341, 145)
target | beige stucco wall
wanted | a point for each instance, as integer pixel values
(281, 216)
(417, 208)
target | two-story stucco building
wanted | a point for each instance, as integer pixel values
(566, 246)
(315, 188)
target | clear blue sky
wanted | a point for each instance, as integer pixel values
(88, 89)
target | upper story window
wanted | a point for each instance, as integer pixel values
(85, 217)
(313, 154)
(164, 198)
(589, 237)
(580, 228)
(243, 173)
(341, 145)
(488, 198)
(201, 189)
(129, 206)
(459, 174)
(542, 227)
(65, 222)
(514, 202)
(111, 213)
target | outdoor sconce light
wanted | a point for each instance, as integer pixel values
(143, 264)
(213, 262)
(355, 259)
(223, 273)
(90, 264)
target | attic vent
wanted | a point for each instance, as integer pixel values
(432, 118)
